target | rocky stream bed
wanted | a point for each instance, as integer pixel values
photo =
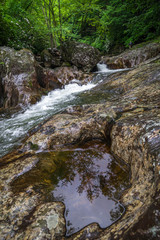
(125, 116)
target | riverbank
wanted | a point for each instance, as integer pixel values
(126, 117)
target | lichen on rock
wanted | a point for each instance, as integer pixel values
(129, 120)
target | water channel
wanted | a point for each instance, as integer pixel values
(87, 179)
(13, 127)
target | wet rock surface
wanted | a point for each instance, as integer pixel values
(24, 215)
(50, 79)
(87, 180)
(81, 55)
(136, 91)
(17, 77)
(129, 120)
(65, 75)
(47, 222)
(132, 58)
(51, 58)
(149, 225)
(23, 81)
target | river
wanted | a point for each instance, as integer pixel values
(13, 127)
(87, 180)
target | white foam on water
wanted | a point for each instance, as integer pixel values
(102, 68)
(13, 129)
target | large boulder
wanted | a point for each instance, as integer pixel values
(17, 77)
(80, 55)
(131, 125)
(66, 75)
(51, 58)
(137, 89)
(129, 121)
(56, 78)
(132, 58)
(23, 81)
(47, 78)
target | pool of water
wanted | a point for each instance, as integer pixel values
(88, 180)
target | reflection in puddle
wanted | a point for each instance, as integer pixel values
(86, 180)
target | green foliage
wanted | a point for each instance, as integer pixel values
(39, 24)
(21, 26)
(134, 21)
(4, 28)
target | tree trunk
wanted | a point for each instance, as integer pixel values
(60, 19)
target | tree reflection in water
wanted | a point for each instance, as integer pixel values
(87, 180)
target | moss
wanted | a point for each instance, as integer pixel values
(157, 61)
(42, 223)
(45, 92)
(30, 83)
(157, 40)
(34, 146)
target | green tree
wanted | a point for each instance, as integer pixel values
(137, 20)
(39, 24)
(23, 25)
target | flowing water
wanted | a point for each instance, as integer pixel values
(14, 128)
(87, 179)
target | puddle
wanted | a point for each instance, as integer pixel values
(88, 181)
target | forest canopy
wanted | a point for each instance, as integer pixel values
(39, 24)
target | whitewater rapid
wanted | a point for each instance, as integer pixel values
(13, 129)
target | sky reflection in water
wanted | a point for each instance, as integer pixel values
(86, 180)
